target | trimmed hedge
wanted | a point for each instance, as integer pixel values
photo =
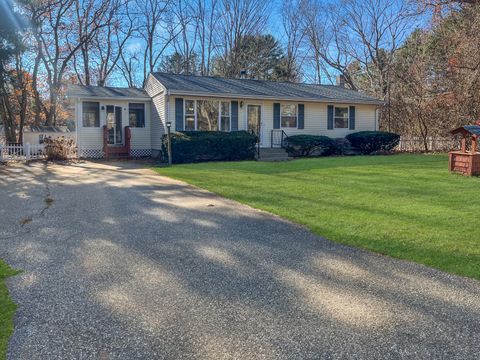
(309, 145)
(369, 142)
(198, 146)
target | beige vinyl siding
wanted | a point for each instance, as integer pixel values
(158, 111)
(315, 118)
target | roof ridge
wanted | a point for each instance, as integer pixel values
(235, 79)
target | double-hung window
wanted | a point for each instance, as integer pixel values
(288, 116)
(136, 115)
(225, 116)
(91, 114)
(341, 117)
(190, 115)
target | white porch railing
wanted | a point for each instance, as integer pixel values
(23, 152)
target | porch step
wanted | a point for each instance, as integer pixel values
(273, 154)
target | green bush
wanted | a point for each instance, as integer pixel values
(198, 146)
(369, 142)
(309, 145)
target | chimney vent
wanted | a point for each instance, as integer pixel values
(341, 80)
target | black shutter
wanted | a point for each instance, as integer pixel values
(178, 114)
(351, 121)
(276, 115)
(301, 116)
(330, 117)
(234, 120)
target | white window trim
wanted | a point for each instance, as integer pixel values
(219, 113)
(348, 117)
(99, 115)
(296, 113)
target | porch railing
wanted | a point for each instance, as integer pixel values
(278, 137)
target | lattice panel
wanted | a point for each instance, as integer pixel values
(90, 153)
(138, 153)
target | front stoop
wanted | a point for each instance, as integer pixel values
(273, 154)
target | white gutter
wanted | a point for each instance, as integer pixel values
(264, 97)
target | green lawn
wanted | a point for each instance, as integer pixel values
(7, 309)
(406, 206)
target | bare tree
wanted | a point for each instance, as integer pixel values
(295, 33)
(59, 41)
(239, 18)
(156, 32)
(185, 39)
(206, 25)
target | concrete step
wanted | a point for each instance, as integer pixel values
(273, 154)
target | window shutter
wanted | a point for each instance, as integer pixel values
(276, 115)
(330, 117)
(351, 121)
(178, 114)
(301, 116)
(234, 115)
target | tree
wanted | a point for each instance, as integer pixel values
(12, 80)
(238, 19)
(259, 56)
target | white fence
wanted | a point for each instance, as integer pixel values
(23, 152)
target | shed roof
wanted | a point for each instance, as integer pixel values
(43, 129)
(260, 89)
(467, 129)
(105, 92)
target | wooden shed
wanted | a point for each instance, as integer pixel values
(466, 161)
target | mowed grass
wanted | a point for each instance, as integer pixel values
(405, 206)
(7, 309)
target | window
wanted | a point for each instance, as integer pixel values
(341, 117)
(91, 114)
(189, 114)
(225, 116)
(288, 116)
(207, 115)
(136, 115)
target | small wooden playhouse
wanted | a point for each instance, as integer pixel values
(467, 160)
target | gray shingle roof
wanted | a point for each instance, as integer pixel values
(105, 92)
(261, 89)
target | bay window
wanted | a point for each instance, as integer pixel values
(206, 115)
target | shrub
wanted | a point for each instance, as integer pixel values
(369, 142)
(309, 145)
(197, 146)
(59, 148)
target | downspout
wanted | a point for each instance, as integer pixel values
(167, 115)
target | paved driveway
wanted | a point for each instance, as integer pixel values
(125, 264)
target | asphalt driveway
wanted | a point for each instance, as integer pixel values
(120, 263)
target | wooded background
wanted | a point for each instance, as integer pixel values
(420, 57)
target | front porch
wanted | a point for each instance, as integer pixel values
(113, 145)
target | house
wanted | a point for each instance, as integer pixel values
(36, 135)
(125, 120)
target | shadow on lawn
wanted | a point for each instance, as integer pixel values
(198, 276)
